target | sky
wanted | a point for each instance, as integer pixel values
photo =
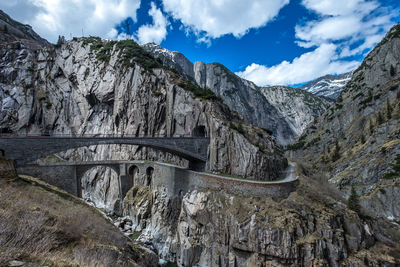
(269, 42)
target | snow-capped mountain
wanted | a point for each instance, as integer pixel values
(328, 86)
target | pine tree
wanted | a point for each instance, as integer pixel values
(336, 154)
(362, 139)
(392, 70)
(353, 202)
(371, 127)
(379, 118)
(60, 41)
(389, 110)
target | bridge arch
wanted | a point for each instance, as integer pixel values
(193, 149)
(133, 173)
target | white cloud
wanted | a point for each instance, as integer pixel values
(340, 7)
(344, 28)
(215, 18)
(304, 68)
(350, 21)
(329, 29)
(51, 18)
(157, 31)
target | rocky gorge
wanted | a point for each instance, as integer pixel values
(93, 86)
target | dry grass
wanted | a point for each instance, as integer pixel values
(52, 228)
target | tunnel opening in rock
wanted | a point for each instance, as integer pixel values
(100, 186)
(199, 131)
(1, 153)
(149, 176)
(133, 174)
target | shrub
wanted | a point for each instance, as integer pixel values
(396, 169)
(204, 93)
(362, 139)
(392, 71)
(238, 127)
(389, 110)
(132, 52)
(336, 152)
(60, 41)
(353, 202)
(379, 118)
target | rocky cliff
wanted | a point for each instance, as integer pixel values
(90, 86)
(312, 227)
(253, 103)
(357, 140)
(328, 86)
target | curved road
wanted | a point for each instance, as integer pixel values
(289, 177)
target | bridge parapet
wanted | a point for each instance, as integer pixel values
(24, 149)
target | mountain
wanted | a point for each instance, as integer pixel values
(90, 86)
(328, 86)
(12, 30)
(251, 102)
(356, 141)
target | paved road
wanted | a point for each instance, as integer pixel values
(289, 177)
(289, 173)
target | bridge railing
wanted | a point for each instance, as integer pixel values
(98, 135)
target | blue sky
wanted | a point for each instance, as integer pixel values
(266, 41)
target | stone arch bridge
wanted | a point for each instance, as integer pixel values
(25, 149)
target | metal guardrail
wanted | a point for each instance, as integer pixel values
(13, 135)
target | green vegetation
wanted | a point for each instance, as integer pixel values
(353, 202)
(56, 229)
(204, 93)
(238, 127)
(336, 152)
(298, 145)
(232, 78)
(392, 71)
(157, 94)
(135, 235)
(396, 169)
(379, 118)
(362, 139)
(131, 52)
(102, 49)
(389, 110)
(366, 101)
(371, 127)
(60, 41)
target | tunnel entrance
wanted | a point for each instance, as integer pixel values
(1, 153)
(199, 131)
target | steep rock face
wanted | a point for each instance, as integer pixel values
(71, 91)
(250, 101)
(358, 138)
(12, 30)
(328, 86)
(299, 108)
(208, 228)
